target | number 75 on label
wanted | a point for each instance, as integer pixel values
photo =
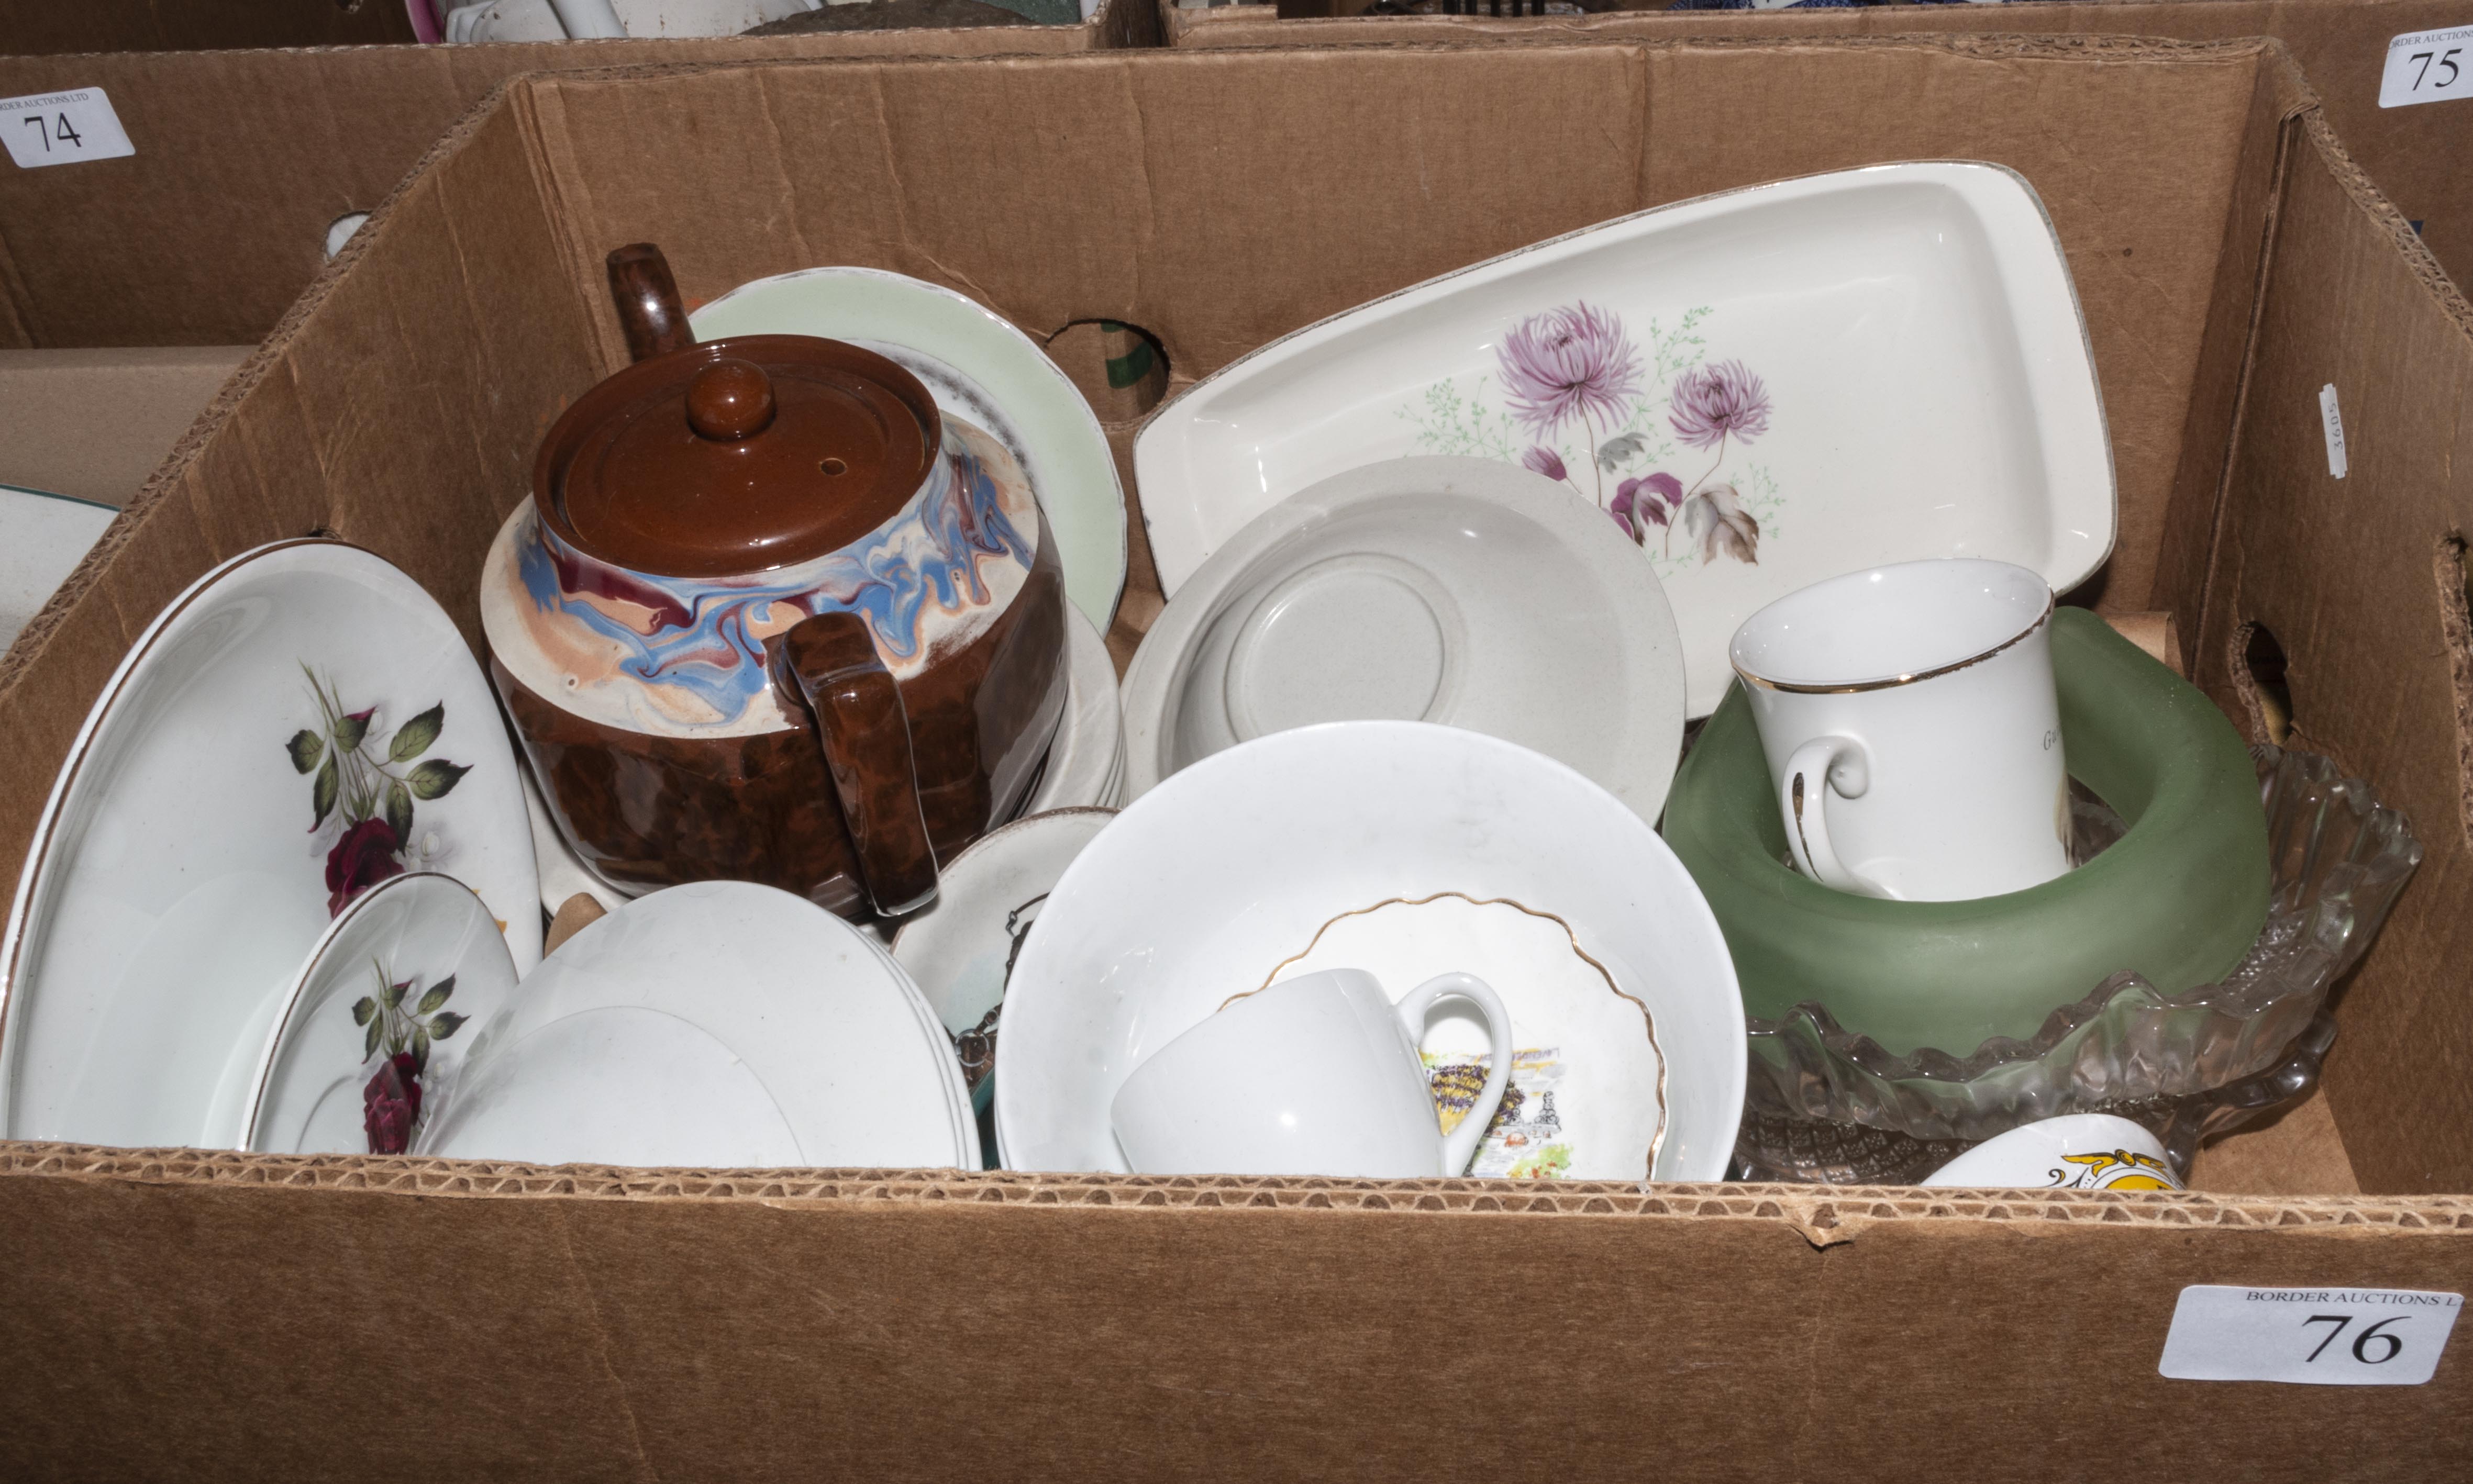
(2428, 67)
(2330, 1336)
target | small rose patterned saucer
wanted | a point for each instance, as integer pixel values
(301, 725)
(404, 989)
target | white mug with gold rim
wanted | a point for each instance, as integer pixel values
(1911, 729)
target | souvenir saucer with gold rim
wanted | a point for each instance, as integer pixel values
(1588, 1086)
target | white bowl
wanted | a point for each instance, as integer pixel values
(1204, 886)
(1441, 589)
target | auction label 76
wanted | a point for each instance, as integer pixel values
(2313, 1336)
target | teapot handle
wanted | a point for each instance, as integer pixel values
(650, 311)
(866, 737)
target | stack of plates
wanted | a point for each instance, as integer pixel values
(721, 1023)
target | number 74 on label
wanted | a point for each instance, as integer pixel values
(66, 127)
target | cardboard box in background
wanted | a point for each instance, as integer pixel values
(219, 1315)
(244, 158)
(2421, 155)
(96, 424)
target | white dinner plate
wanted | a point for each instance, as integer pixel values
(721, 1023)
(301, 724)
(982, 369)
(404, 988)
(1763, 388)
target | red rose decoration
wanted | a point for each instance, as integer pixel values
(361, 859)
(390, 1105)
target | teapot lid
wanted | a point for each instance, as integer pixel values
(734, 456)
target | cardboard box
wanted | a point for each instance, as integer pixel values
(209, 1315)
(2419, 155)
(245, 159)
(95, 424)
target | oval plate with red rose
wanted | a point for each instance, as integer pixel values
(301, 725)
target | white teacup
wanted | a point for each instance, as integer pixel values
(2077, 1152)
(1315, 1075)
(1911, 729)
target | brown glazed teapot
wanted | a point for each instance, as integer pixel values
(769, 615)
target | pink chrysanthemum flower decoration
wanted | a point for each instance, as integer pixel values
(1570, 362)
(1546, 461)
(1713, 402)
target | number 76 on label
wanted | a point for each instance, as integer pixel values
(2330, 1336)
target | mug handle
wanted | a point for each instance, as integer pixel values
(1817, 766)
(865, 733)
(1459, 1146)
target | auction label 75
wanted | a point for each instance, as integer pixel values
(73, 125)
(2428, 67)
(2313, 1336)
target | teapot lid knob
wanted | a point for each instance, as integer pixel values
(730, 399)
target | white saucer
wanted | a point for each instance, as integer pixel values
(723, 1024)
(42, 538)
(979, 368)
(177, 882)
(959, 950)
(1454, 591)
(1800, 379)
(416, 968)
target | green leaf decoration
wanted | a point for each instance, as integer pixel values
(413, 737)
(419, 1050)
(435, 778)
(307, 747)
(321, 794)
(398, 812)
(394, 994)
(437, 995)
(369, 1043)
(351, 730)
(362, 1009)
(445, 1023)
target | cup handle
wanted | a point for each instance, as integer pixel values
(1818, 765)
(1459, 1146)
(866, 738)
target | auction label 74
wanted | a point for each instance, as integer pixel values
(2313, 1336)
(73, 125)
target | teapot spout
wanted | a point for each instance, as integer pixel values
(650, 311)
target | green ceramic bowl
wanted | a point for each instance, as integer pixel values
(2179, 898)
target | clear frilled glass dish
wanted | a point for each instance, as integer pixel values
(1825, 1104)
